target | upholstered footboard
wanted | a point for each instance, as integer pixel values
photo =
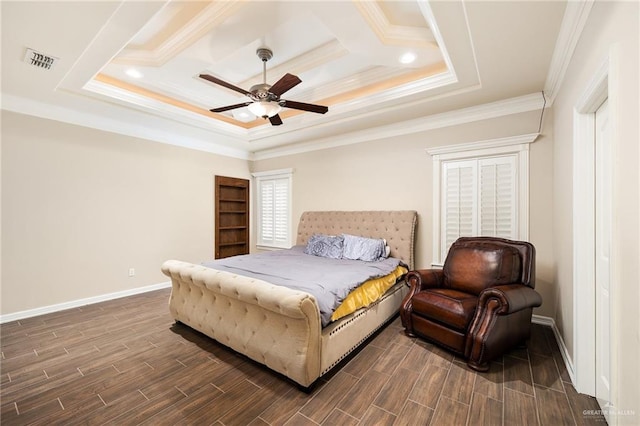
(273, 325)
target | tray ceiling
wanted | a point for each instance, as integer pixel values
(138, 62)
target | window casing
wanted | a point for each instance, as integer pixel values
(273, 192)
(480, 189)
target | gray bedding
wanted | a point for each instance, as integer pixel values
(328, 280)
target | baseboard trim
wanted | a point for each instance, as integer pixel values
(550, 322)
(80, 302)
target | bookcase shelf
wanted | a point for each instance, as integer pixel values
(231, 216)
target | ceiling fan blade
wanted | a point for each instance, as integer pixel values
(223, 83)
(320, 109)
(229, 107)
(287, 82)
(275, 120)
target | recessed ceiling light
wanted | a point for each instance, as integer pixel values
(132, 72)
(408, 58)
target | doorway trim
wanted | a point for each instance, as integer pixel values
(584, 282)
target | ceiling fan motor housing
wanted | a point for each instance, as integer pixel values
(260, 92)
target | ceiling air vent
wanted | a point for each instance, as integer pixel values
(40, 60)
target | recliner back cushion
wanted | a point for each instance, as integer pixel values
(472, 268)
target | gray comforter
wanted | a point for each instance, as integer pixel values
(328, 280)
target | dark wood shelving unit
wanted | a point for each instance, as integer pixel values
(231, 216)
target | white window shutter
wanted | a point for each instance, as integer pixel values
(459, 207)
(274, 209)
(267, 202)
(497, 197)
(479, 198)
(281, 212)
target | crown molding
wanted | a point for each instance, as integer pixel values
(170, 110)
(390, 34)
(270, 173)
(66, 115)
(485, 144)
(573, 23)
(487, 111)
(427, 83)
(194, 30)
(466, 115)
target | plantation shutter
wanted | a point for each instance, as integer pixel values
(459, 205)
(479, 198)
(281, 212)
(267, 198)
(274, 209)
(498, 197)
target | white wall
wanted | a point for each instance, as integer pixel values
(610, 36)
(82, 206)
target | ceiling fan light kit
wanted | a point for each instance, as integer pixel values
(264, 109)
(265, 99)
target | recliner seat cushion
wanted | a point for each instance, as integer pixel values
(451, 307)
(472, 269)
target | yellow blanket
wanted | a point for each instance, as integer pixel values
(367, 293)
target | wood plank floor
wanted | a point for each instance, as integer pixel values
(125, 362)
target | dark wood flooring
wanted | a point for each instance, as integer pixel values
(125, 362)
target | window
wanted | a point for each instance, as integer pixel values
(480, 189)
(478, 198)
(274, 208)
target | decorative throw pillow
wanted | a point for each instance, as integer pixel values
(361, 248)
(325, 246)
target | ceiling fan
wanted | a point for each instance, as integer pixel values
(265, 99)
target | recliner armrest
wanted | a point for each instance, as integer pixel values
(418, 280)
(421, 279)
(512, 298)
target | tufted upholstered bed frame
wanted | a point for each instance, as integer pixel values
(280, 327)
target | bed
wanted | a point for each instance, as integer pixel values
(280, 327)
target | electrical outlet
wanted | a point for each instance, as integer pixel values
(132, 272)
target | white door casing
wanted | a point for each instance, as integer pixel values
(584, 291)
(603, 190)
(596, 332)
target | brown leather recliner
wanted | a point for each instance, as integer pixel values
(479, 305)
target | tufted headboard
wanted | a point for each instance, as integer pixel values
(395, 226)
